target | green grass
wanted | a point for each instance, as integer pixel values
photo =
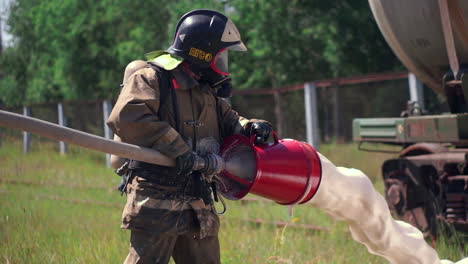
(64, 209)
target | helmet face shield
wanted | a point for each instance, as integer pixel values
(220, 62)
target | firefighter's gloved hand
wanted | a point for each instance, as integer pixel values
(185, 163)
(261, 130)
(209, 164)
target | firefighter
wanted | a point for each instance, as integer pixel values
(174, 105)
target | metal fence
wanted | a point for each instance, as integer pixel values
(324, 110)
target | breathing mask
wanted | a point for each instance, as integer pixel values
(217, 75)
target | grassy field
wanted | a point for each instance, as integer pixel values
(65, 209)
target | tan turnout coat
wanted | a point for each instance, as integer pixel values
(135, 120)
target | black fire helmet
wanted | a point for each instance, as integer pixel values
(202, 34)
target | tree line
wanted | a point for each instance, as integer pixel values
(78, 49)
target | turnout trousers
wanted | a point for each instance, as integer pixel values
(188, 248)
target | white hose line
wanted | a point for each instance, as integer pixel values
(348, 194)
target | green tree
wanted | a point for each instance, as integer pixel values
(296, 41)
(77, 49)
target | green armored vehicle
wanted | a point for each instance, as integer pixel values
(427, 184)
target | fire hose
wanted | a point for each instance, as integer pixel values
(86, 140)
(90, 141)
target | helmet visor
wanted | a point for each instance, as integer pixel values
(220, 62)
(231, 35)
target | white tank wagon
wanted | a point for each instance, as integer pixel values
(425, 184)
(415, 32)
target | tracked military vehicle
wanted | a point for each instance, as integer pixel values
(427, 183)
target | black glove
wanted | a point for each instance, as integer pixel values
(210, 165)
(261, 130)
(185, 163)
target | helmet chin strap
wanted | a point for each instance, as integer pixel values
(213, 78)
(225, 90)
(222, 86)
(222, 83)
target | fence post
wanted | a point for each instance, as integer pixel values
(106, 109)
(26, 135)
(279, 113)
(63, 122)
(336, 114)
(311, 114)
(416, 90)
